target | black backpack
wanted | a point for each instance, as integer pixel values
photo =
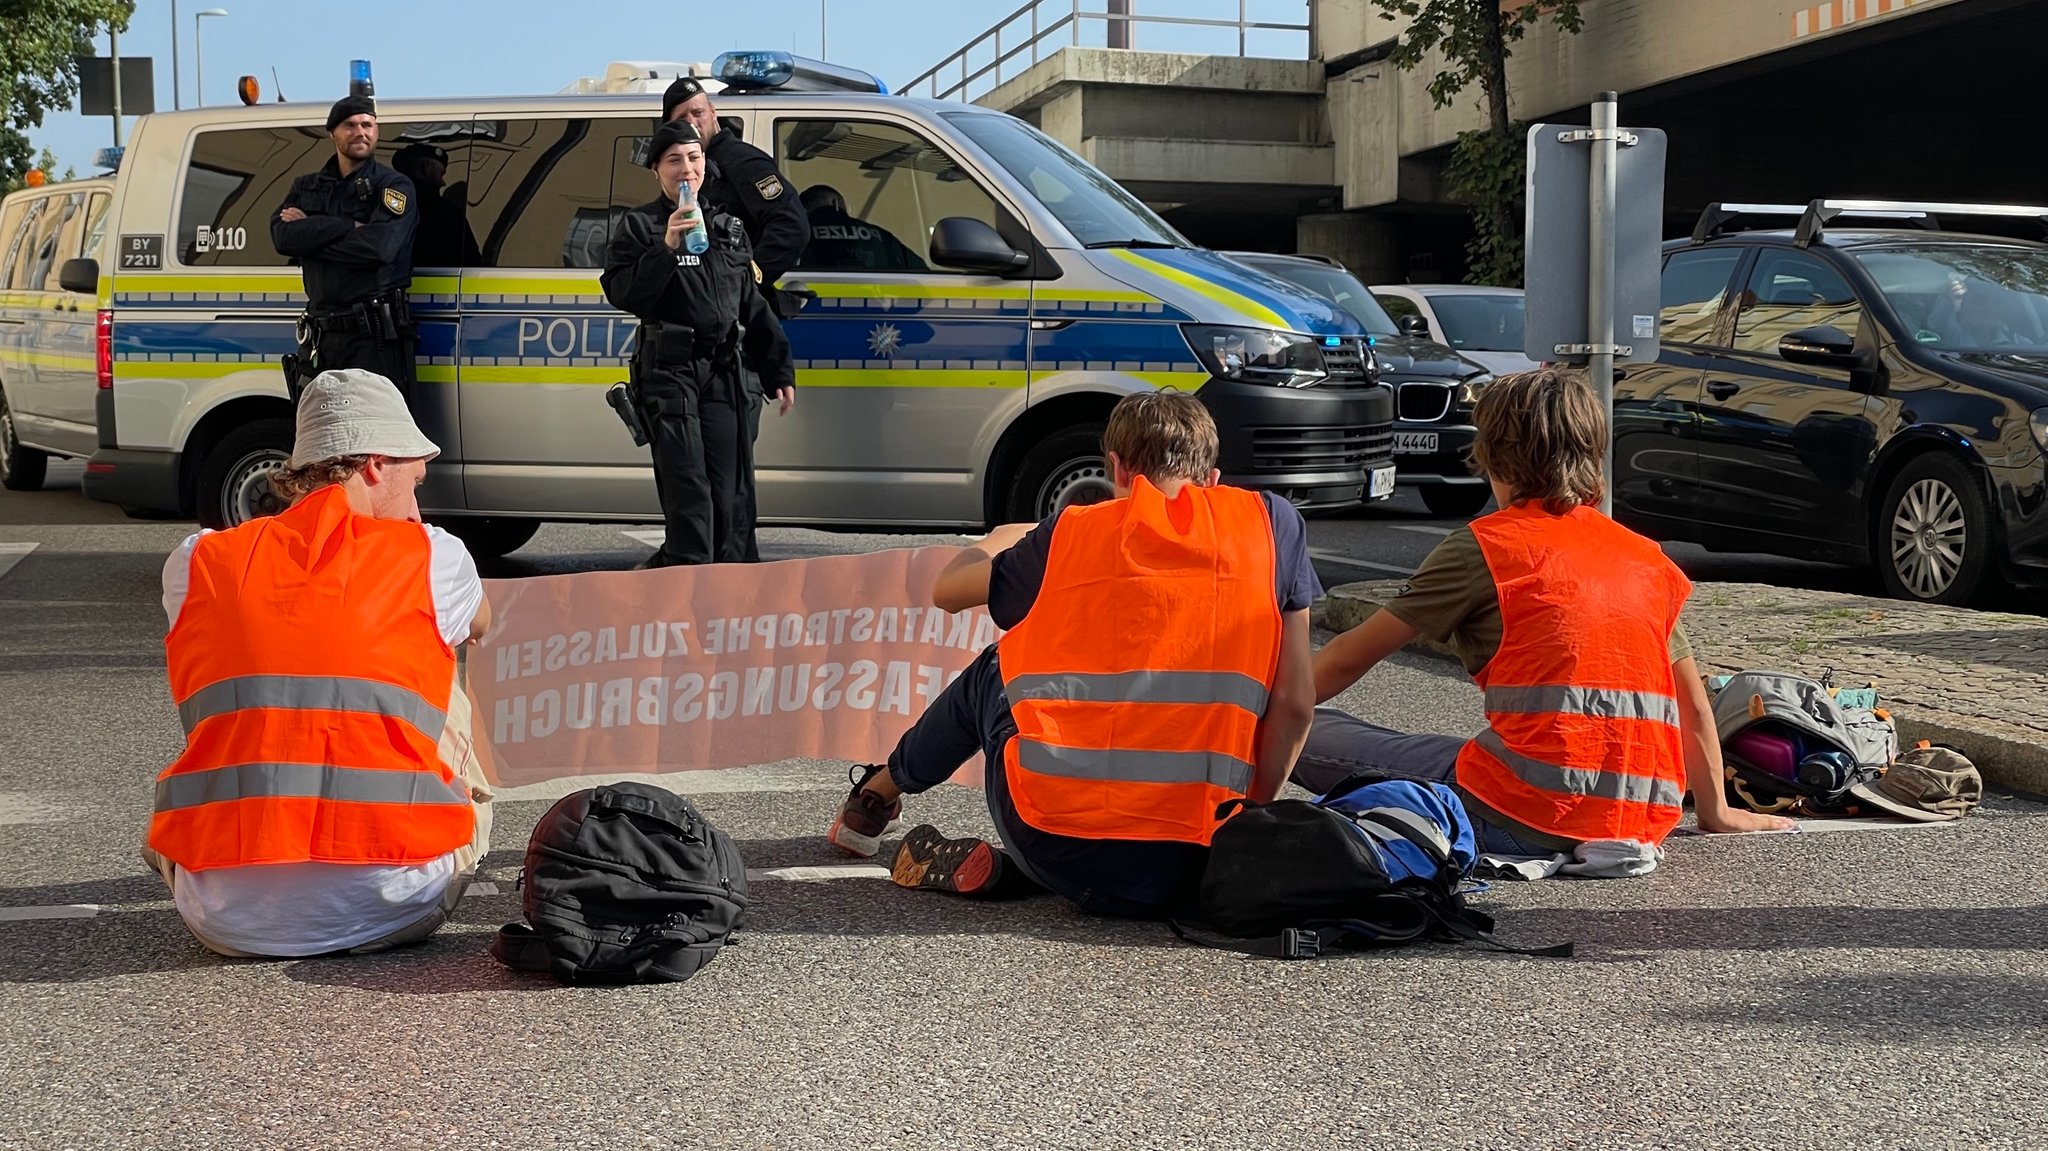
(1373, 864)
(625, 883)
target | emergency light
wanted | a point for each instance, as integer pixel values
(109, 158)
(359, 79)
(784, 71)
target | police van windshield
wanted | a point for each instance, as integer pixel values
(1091, 205)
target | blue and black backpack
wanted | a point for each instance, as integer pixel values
(1374, 863)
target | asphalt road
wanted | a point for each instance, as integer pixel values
(1881, 989)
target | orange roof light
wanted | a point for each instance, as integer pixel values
(246, 88)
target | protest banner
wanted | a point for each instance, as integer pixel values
(692, 668)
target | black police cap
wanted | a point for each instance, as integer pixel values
(682, 90)
(668, 136)
(349, 106)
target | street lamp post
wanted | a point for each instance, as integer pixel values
(199, 55)
(177, 96)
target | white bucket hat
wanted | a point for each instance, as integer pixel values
(351, 412)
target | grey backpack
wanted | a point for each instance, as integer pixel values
(1788, 742)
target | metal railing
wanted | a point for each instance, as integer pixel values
(1061, 27)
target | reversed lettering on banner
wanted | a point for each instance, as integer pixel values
(681, 669)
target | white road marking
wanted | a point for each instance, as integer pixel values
(11, 554)
(819, 873)
(652, 539)
(1422, 529)
(51, 911)
(24, 807)
(476, 889)
(1366, 565)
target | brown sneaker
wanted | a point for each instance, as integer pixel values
(962, 866)
(865, 817)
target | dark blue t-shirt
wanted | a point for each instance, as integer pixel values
(1142, 873)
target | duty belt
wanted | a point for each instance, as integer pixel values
(386, 317)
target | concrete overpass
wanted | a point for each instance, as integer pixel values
(1779, 100)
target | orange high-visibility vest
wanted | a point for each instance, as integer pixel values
(1582, 736)
(1138, 679)
(313, 682)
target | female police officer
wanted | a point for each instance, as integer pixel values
(695, 311)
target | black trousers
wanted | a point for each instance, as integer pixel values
(392, 359)
(704, 472)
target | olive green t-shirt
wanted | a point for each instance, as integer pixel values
(1452, 599)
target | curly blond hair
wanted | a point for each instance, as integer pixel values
(292, 484)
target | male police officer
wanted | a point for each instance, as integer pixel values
(351, 226)
(695, 312)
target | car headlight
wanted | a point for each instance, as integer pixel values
(2037, 423)
(1258, 355)
(1472, 388)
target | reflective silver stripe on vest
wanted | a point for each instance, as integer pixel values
(1119, 766)
(304, 781)
(1226, 687)
(312, 693)
(1613, 785)
(1599, 702)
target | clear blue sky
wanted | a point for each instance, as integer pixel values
(443, 48)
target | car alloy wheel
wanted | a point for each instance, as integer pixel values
(1929, 538)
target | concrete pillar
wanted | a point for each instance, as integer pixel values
(1060, 117)
(1367, 244)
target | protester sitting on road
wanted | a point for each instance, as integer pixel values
(1597, 719)
(1155, 666)
(328, 798)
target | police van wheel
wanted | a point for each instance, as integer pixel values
(21, 469)
(234, 479)
(1067, 467)
(489, 538)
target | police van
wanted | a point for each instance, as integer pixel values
(49, 368)
(983, 298)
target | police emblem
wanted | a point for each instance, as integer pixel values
(394, 201)
(770, 187)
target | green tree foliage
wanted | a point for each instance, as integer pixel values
(1473, 40)
(39, 66)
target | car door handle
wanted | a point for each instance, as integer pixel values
(1722, 389)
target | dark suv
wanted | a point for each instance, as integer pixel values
(1867, 396)
(1434, 387)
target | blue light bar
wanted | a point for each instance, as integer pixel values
(1333, 342)
(109, 158)
(787, 72)
(359, 79)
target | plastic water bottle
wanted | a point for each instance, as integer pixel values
(696, 239)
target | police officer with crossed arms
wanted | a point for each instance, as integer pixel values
(350, 225)
(698, 313)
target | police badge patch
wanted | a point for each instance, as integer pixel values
(394, 201)
(770, 187)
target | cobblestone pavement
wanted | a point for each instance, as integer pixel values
(1973, 678)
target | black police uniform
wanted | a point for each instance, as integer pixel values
(355, 246)
(697, 315)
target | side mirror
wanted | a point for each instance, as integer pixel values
(1825, 346)
(81, 275)
(964, 242)
(1413, 325)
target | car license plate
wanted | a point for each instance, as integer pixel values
(1382, 485)
(1414, 443)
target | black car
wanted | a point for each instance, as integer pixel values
(1434, 387)
(1865, 396)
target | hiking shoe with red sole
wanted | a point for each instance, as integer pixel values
(926, 859)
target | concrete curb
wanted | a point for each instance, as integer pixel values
(1738, 627)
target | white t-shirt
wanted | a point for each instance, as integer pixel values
(315, 908)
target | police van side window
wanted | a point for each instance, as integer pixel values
(873, 193)
(238, 178)
(545, 193)
(13, 226)
(32, 265)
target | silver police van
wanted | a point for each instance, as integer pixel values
(983, 298)
(49, 369)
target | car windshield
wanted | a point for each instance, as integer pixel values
(1476, 322)
(1990, 298)
(1336, 285)
(1091, 205)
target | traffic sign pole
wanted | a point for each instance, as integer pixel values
(1600, 274)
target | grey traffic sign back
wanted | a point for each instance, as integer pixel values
(1555, 263)
(96, 85)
